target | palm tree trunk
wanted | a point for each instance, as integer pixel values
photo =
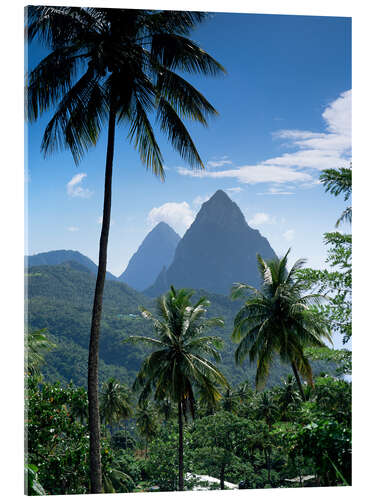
(298, 381)
(222, 472)
(180, 449)
(93, 362)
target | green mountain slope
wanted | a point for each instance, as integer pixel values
(60, 299)
(57, 257)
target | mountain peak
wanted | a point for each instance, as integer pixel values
(220, 195)
(221, 210)
(156, 250)
(217, 250)
(163, 227)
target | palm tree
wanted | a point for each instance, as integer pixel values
(207, 401)
(120, 67)
(229, 401)
(337, 181)
(267, 410)
(278, 319)
(115, 402)
(288, 396)
(146, 421)
(244, 392)
(178, 365)
(37, 345)
(165, 409)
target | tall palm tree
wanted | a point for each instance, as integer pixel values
(178, 366)
(278, 319)
(115, 402)
(117, 67)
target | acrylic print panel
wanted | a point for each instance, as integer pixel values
(189, 203)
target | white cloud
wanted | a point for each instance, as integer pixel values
(234, 190)
(321, 150)
(289, 234)
(312, 151)
(277, 191)
(260, 218)
(252, 174)
(74, 189)
(178, 215)
(219, 163)
(72, 229)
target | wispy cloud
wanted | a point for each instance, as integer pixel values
(312, 151)
(252, 174)
(261, 218)
(178, 215)
(320, 150)
(73, 229)
(279, 191)
(234, 190)
(74, 189)
(219, 163)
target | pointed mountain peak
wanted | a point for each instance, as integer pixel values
(220, 195)
(220, 209)
(156, 250)
(217, 250)
(163, 227)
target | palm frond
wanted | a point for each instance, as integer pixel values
(142, 134)
(179, 53)
(171, 124)
(185, 99)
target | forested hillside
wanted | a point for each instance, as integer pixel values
(60, 299)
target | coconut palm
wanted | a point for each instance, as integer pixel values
(278, 319)
(146, 421)
(165, 409)
(178, 366)
(267, 409)
(115, 67)
(244, 391)
(207, 401)
(229, 401)
(115, 402)
(288, 396)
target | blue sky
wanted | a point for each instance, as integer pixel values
(285, 114)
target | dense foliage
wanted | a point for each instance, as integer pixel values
(60, 300)
(278, 319)
(251, 439)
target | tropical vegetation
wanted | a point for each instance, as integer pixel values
(179, 363)
(118, 67)
(277, 319)
(175, 407)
